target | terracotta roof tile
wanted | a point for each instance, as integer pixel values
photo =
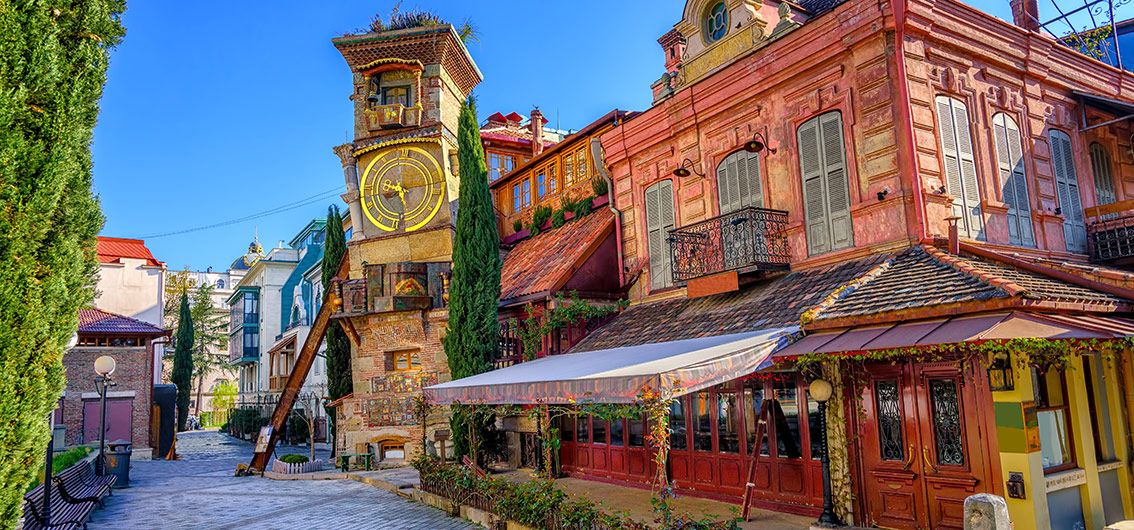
(114, 249)
(775, 302)
(545, 262)
(93, 320)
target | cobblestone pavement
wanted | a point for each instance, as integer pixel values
(200, 492)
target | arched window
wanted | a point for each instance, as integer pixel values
(960, 166)
(714, 23)
(1013, 180)
(1067, 189)
(826, 196)
(738, 182)
(220, 283)
(659, 221)
(1104, 182)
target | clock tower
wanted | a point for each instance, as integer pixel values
(401, 188)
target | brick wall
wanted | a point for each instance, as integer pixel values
(133, 374)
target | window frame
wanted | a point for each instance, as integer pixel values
(824, 171)
(707, 28)
(1042, 401)
(385, 95)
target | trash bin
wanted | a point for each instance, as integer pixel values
(118, 462)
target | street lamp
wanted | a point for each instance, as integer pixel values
(103, 366)
(821, 391)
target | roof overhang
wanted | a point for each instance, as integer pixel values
(961, 329)
(618, 375)
(1122, 110)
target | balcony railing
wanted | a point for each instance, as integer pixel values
(1110, 231)
(510, 348)
(748, 239)
(392, 116)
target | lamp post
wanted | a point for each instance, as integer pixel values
(821, 391)
(103, 366)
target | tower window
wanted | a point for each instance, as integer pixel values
(396, 94)
(715, 24)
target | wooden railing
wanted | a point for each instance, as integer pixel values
(1110, 231)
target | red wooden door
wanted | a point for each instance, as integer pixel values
(119, 417)
(921, 445)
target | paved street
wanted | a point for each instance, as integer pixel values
(200, 492)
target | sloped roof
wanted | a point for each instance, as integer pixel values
(776, 302)
(545, 262)
(114, 249)
(94, 320)
(923, 277)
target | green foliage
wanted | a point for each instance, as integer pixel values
(61, 461)
(517, 225)
(558, 219)
(471, 341)
(210, 326)
(243, 423)
(564, 312)
(183, 362)
(579, 207)
(339, 372)
(294, 459)
(600, 186)
(296, 429)
(53, 60)
(417, 18)
(224, 395)
(540, 215)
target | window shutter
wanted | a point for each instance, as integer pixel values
(814, 204)
(1067, 186)
(655, 237)
(1104, 182)
(835, 176)
(1013, 180)
(960, 166)
(389, 357)
(753, 190)
(665, 212)
(724, 191)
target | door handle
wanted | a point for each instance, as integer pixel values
(925, 456)
(909, 461)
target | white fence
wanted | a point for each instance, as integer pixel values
(291, 469)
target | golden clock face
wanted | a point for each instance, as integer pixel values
(402, 188)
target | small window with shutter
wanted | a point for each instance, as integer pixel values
(826, 192)
(659, 221)
(1013, 180)
(1104, 182)
(960, 166)
(1067, 190)
(738, 182)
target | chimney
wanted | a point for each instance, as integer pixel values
(537, 132)
(1025, 13)
(954, 236)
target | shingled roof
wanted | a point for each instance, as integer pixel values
(545, 263)
(926, 277)
(776, 302)
(115, 249)
(94, 320)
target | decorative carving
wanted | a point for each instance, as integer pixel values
(785, 24)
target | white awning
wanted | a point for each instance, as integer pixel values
(617, 375)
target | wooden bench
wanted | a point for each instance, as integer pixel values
(75, 493)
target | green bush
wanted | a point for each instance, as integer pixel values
(599, 186)
(294, 459)
(61, 461)
(244, 423)
(517, 225)
(558, 219)
(296, 429)
(539, 216)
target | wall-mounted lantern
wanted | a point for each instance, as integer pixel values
(1000, 376)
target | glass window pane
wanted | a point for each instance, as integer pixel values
(787, 425)
(753, 400)
(541, 185)
(814, 427)
(599, 429)
(702, 423)
(637, 431)
(1055, 444)
(583, 429)
(728, 432)
(1099, 402)
(677, 436)
(617, 430)
(887, 407)
(567, 429)
(946, 422)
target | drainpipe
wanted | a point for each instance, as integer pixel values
(600, 166)
(905, 116)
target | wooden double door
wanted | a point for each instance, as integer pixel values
(925, 443)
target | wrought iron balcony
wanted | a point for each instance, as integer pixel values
(1110, 231)
(745, 240)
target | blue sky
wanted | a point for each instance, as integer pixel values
(215, 110)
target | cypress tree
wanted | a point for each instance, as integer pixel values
(474, 292)
(53, 59)
(339, 378)
(182, 375)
